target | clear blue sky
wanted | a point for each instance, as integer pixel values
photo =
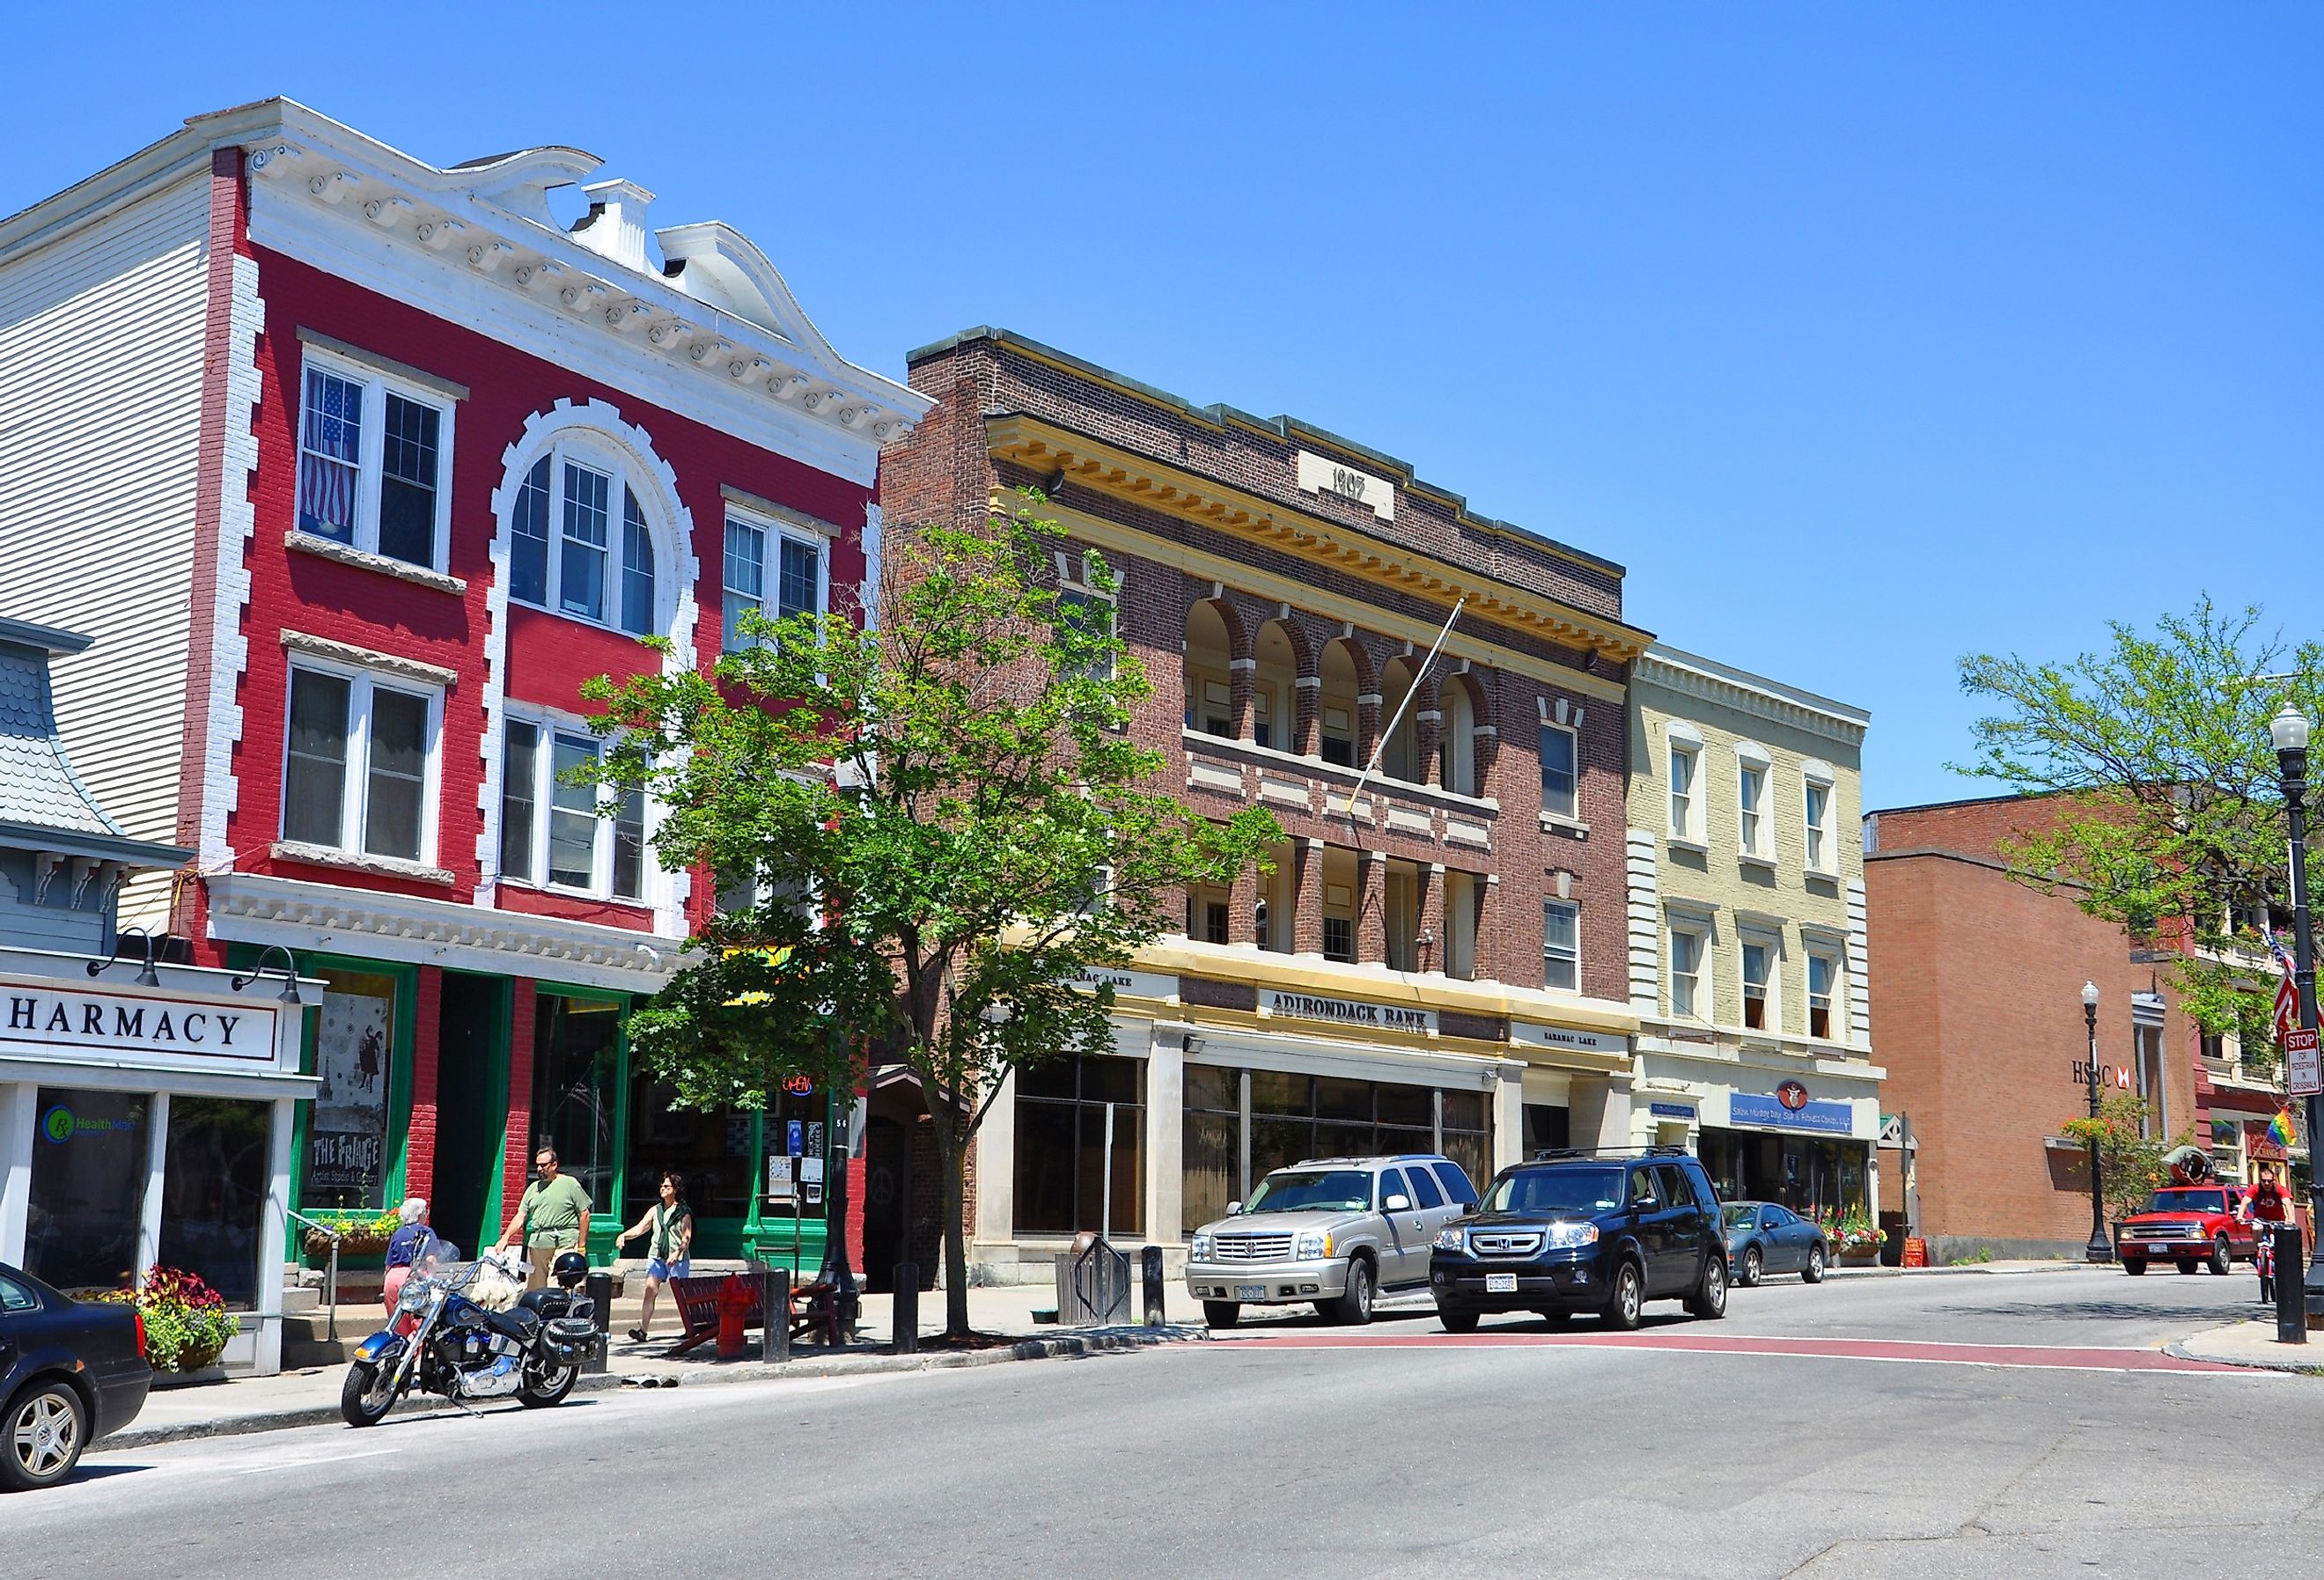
(1863, 336)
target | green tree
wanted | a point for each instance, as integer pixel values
(2168, 818)
(926, 830)
(2130, 1161)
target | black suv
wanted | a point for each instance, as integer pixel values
(1571, 1232)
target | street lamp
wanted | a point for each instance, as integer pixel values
(2289, 730)
(2099, 1249)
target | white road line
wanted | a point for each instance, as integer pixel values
(305, 1460)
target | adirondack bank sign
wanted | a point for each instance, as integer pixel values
(1307, 1006)
(38, 1020)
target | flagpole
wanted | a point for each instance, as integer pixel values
(1419, 674)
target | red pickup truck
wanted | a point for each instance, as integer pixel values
(2194, 1226)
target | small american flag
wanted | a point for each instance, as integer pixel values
(2287, 993)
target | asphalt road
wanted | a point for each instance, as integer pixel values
(1282, 1455)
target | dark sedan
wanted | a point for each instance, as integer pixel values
(71, 1371)
(1762, 1238)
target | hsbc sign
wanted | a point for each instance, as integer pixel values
(2117, 1076)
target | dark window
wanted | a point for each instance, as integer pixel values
(88, 1188)
(1215, 921)
(1391, 1183)
(1340, 750)
(630, 845)
(797, 579)
(1062, 1186)
(397, 793)
(575, 1074)
(15, 1297)
(314, 783)
(408, 481)
(1339, 938)
(637, 569)
(214, 1193)
(1642, 1188)
(1456, 1183)
(529, 538)
(520, 792)
(1557, 771)
(1424, 1187)
(1676, 1188)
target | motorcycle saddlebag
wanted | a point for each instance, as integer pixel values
(570, 1340)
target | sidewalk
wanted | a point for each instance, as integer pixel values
(2253, 1342)
(312, 1397)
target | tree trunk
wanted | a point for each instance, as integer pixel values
(951, 1163)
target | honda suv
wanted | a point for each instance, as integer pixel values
(1572, 1232)
(1332, 1231)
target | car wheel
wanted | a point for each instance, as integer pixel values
(2188, 1264)
(42, 1436)
(2220, 1256)
(1355, 1307)
(1628, 1302)
(1753, 1265)
(1222, 1313)
(1709, 1300)
(1813, 1272)
(2134, 1266)
(1457, 1321)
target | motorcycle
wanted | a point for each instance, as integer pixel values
(443, 1341)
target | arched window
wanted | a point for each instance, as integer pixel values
(1341, 720)
(561, 542)
(1457, 738)
(1275, 689)
(1400, 754)
(1210, 689)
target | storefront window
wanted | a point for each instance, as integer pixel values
(1212, 1142)
(1060, 1146)
(1468, 1134)
(1293, 1118)
(711, 1153)
(89, 1164)
(214, 1193)
(575, 1084)
(1820, 1179)
(355, 1040)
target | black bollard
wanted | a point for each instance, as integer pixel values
(2290, 1292)
(775, 1302)
(907, 1311)
(1150, 1264)
(599, 1286)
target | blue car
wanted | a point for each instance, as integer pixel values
(1762, 1238)
(71, 1371)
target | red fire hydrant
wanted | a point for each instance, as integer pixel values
(733, 1309)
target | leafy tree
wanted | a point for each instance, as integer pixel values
(926, 830)
(2130, 1163)
(2169, 816)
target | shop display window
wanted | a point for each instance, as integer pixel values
(711, 1150)
(355, 1053)
(1212, 1140)
(1293, 1118)
(214, 1193)
(1060, 1146)
(90, 1161)
(576, 1057)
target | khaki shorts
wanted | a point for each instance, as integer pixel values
(537, 1258)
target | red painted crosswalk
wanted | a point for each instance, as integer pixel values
(2069, 1357)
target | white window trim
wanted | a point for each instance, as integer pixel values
(613, 461)
(774, 529)
(1574, 812)
(1576, 909)
(1815, 777)
(371, 448)
(1834, 954)
(1750, 760)
(1773, 942)
(552, 722)
(355, 787)
(1705, 990)
(1692, 836)
(1074, 577)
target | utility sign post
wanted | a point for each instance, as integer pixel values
(2303, 1070)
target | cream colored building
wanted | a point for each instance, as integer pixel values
(1747, 930)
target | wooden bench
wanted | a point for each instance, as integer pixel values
(813, 1310)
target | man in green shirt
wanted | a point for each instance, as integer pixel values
(553, 1216)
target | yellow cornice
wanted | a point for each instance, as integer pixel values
(1045, 448)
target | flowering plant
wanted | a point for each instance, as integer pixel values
(187, 1324)
(358, 1232)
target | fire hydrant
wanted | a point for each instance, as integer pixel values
(733, 1309)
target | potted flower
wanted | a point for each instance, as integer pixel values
(360, 1234)
(1857, 1240)
(187, 1324)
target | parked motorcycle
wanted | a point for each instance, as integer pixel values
(441, 1340)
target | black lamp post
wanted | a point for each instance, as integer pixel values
(2100, 1248)
(838, 1271)
(2289, 731)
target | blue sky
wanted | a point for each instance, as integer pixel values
(1863, 336)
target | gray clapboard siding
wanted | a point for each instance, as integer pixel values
(100, 408)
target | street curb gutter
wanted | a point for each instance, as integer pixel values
(2178, 1349)
(1102, 1340)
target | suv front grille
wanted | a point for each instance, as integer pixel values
(2162, 1232)
(1253, 1248)
(1504, 1244)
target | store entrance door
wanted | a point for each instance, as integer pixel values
(471, 1109)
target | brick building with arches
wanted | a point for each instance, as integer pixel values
(1439, 959)
(413, 452)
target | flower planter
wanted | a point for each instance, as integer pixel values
(1858, 1256)
(319, 1246)
(164, 1381)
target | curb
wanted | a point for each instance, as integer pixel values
(1097, 1341)
(2179, 1348)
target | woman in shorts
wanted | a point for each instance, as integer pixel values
(667, 1227)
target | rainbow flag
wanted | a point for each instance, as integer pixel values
(2278, 1129)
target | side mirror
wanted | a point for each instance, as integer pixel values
(1397, 1204)
(1234, 1209)
(1466, 1207)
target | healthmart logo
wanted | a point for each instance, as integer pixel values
(60, 1124)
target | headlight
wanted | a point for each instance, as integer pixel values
(1566, 1236)
(413, 1295)
(1312, 1247)
(1451, 1240)
(1199, 1248)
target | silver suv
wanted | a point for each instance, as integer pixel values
(1333, 1231)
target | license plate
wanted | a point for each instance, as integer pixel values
(2159, 1250)
(1250, 1291)
(1501, 1283)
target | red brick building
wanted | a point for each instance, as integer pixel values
(1976, 994)
(358, 467)
(1440, 963)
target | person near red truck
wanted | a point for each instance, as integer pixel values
(2265, 1207)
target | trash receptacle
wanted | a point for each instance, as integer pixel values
(1093, 1284)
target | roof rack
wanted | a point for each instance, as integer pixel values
(1664, 1150)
